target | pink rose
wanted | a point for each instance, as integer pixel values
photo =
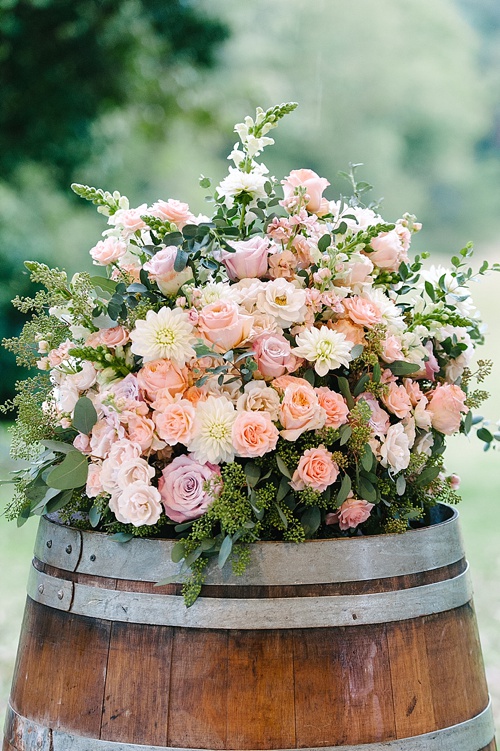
(82, 443)
(249, 259)
(388, 251)
(316, 470)
(161, 270)
(274, 355)
(391, 349)
(353, 511)
(397, 401)
(362, 312)
(222, 324)
(352, 333)
(334, 405)
(138, 504)
(254, 434)
(313, 183)
(431, 365)
(414, 391)
(174, 424)
(299, 411)
(447, 403)
(94, 485)
(162, 374)
(104, 434)
(129, 219)
(114, 337)
(182, 488)
(173, 211)
(108, 251)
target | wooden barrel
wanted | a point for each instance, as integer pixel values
(360, 644)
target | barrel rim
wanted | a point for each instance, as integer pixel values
(360, 558)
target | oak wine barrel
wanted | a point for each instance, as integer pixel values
(360, 644)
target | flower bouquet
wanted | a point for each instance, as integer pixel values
(279, 370)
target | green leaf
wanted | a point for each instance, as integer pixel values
(121, 537)
(283, 468)
(427, 476)
(190, 231)
(169, 580)
(366, 490)
(70, 473)
(252, 473)
(468, 422)
(85, 415)
(345, 434)
(400, 367)
(58, 446)
(178, 552)
(376, 373)
(345, 391)
(59, 502)
(23, 516)
(173, 238)
(367, 458)
(225, 551)
(430, 291)
(184, 526)
(360, 386)
(484, 435)
(345, 489)
(181, 260)
(94, 516)
(107, 285)
(282, 516)
(310, 520)
(356, 351)
(283, 489)
(324, 243)
(310, 376)
(205, 182)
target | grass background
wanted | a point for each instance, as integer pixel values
(480, 515)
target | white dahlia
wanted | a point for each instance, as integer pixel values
(166, 335)
(327, 349)
(212, 435)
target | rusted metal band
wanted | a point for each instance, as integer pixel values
(471, 735)
(274, 564)
(236, 613)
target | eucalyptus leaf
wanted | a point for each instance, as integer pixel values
(356, 351)
(427, 476)
(121, 537)
(401, 367)
(345, 391)
(169, 580)
(366, 490)
(282, 516)
(58, 502)
(23, 516)
(484, 435)
(225, 551)
(360, 386)
(283, 489)
(345, 489)
(283, 468)
(310, 376)
(70, 473)
(367, 458)
(345, 434)
(310, 520)
(58, 446)
(178, 552)
(85, 415)
(181, 260)
(94, 516)
(107, 285)
(252, 473)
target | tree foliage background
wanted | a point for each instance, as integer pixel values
(141, 95)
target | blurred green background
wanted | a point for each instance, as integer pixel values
(141, 96)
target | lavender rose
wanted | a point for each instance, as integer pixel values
(182, 488)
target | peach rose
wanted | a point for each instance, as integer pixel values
(299, 411)
(114, 337)
(139, 429)
(254, 434)
(283, 265)
(249, 259)
(174, 424)
(108, 251)
(313, 183)
(138, 504)
(195, 394)
(362, 312)
(161, 270)
(259, 397)
(352, 333)
(388, 251)
(334, 405)
(281, 383)
(173, 211)
(397, 401)
(222, 324)
(162, 374)
(316, 470)
(274, 355)
(354, 511)
(447, 403)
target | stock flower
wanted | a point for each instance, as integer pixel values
(327, 349)
(163, 335)
(212, 435)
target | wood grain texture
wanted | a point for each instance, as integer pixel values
(491, 747)
(137, 689)
(459, 689)
(260, 690)
(343, 690)
(60, 673)
(198, 689)
(411, 680)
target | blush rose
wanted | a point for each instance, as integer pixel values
(182, 488)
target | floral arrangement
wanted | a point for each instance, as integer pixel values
(280, 370)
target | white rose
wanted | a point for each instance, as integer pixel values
(424, 444)
(85, 378)
(121, 453)
(138, 504)
(284, 301)
(135, 470)
(258, 397)
(66, 395)
(395, 451)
